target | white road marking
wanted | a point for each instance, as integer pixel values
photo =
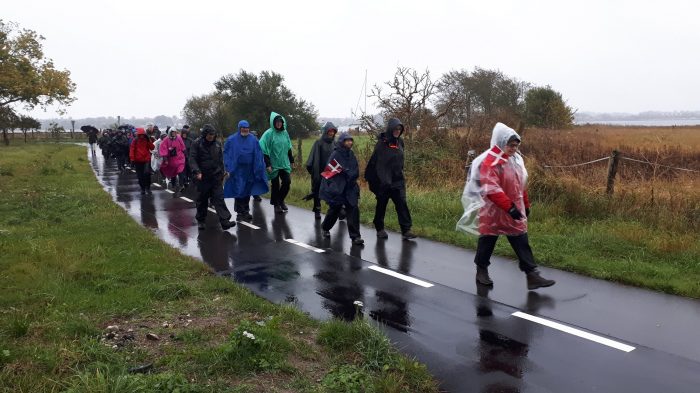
(157, 185)
(186, 199)
(170, 191)
(249, 225)
(400, 276)
(211, 210)
(306, 246)
(133, 171)
(575, 332)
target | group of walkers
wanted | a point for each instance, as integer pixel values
(495, 196)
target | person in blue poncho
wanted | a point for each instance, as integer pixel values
(245, 165)
(340, 190)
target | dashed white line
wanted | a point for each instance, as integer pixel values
(576, 332)
(400, 276)
(304, 245)
(249, 225)
(169, 191)
(211, 210)
(157, 185)
(186, 199)
(133, 171)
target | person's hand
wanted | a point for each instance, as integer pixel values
(527, 212)
(198, 176)
(269, 169)
(515, 213)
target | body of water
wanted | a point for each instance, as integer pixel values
(658, 123)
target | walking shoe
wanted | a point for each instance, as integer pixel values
(201, 225)
(482, 276)
(148, 191)
(257, 198)
(342, 214)
(408, 235)
(244, 217)
(227, 225)
(143, 192)
(278, 209)
(284, 207)
(326, 234)
(381, 234)
(534, 281)
(358, 241)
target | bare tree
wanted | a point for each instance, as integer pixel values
(407, 97)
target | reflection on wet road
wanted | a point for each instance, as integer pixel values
(467, 335)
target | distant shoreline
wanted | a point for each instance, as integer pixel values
(642, 123)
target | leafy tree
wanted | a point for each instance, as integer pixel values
(252, 97)
(26, 123)
(208, 109)
(475, 99)
(26, 76)
(545, 107)
(8, 120)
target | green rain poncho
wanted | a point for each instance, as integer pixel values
(276, 145)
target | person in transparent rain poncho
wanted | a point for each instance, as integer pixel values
(496, 203)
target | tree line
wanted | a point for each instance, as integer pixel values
(461, 98)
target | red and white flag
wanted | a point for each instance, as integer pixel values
(495, 157)
(332, 168)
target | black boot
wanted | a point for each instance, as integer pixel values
(278, 209)
(284, 207)
(227, 224)
(201, 225)
(482, 276)
(381, 234)
(534, 281)
(257, 198)
(408, 235)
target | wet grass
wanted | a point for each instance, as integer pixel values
(83, 285)
(569, 229)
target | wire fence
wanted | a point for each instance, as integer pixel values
(623, 158)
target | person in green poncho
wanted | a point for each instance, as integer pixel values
(277, 151)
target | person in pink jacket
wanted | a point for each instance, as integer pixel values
(172, 150)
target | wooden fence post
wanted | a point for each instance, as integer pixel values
(612, 171)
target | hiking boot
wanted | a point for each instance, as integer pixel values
(284, 207)
(278, 209)
(326, 234)
(148, 191)
(257, 198)
(143, 192)
(482, 276)
(408, 235)
(534, 281)
(381, 234)
(358, 241)
(244, 217)
(201, 225)
(227, 225)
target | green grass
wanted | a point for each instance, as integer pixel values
(568, 230)
(73, 263)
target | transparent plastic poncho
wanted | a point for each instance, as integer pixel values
(494, 172)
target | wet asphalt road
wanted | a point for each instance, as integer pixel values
(424, 294)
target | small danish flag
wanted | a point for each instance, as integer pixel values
(332, 168)
(496, 156)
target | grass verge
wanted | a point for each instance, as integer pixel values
(93, 302)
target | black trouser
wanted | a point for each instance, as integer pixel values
(179, 179)
(211, 188)
(520, 244)
(315, 190)
(398, 196)
(278, 193)
(242, 205)
(352, 215)
(121, 160)
(143, 172)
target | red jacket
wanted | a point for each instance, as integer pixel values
(140, 150)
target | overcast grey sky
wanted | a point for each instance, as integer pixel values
(146, 57)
